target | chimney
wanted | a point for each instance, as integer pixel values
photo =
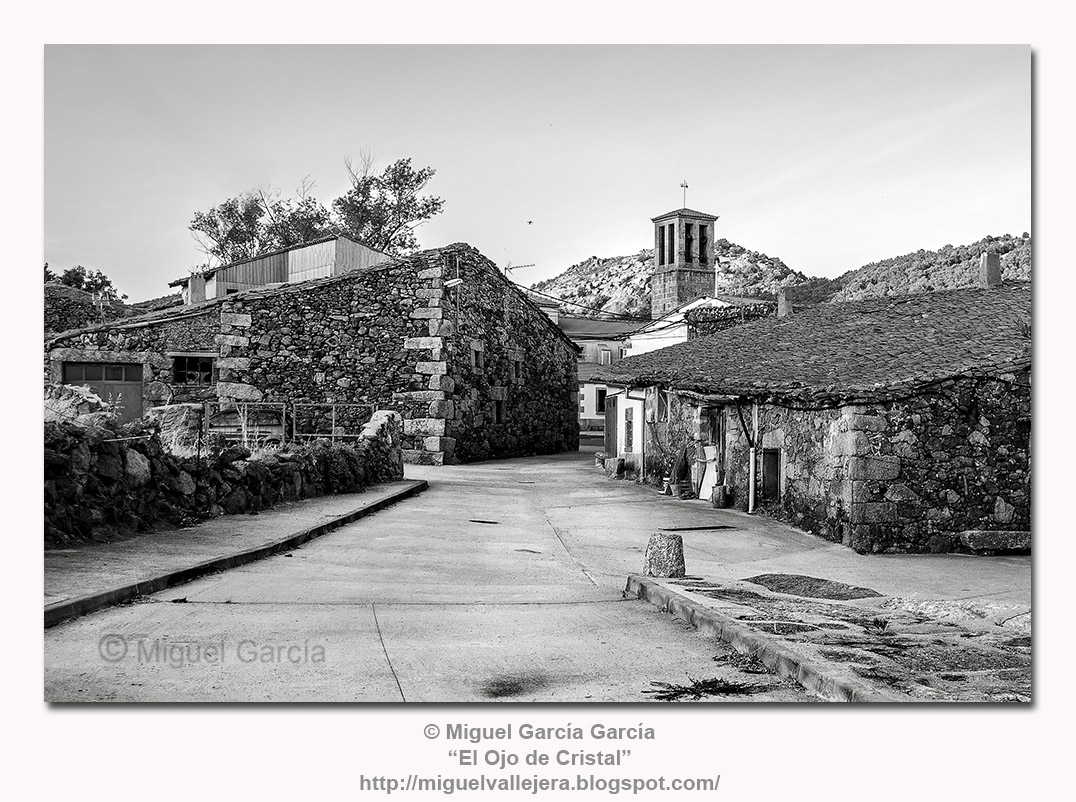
(784, 305)
(989, 271)
(195, 289)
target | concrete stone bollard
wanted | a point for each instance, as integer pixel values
(664, 556)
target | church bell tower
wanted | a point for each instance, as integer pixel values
(683, 259)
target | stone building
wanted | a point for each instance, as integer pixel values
(898, 424)
(473, 367)
(683, 259)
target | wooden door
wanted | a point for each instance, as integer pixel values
(610, 426)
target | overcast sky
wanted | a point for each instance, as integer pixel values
(827, 157)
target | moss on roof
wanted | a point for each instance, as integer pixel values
(882, 347)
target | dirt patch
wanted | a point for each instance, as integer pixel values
(812, 587)
(930, 659)
(505, 686)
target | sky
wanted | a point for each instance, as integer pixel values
(828, 157)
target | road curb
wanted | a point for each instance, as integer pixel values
(81, 605)
(774, 654)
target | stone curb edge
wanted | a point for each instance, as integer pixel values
(774, 654)
(73, 608)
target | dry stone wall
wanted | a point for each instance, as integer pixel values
(512, 374)
(704, 320)
(105, 482)
(937, 472)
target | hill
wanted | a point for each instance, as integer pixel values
(621, 284)
(948, 268)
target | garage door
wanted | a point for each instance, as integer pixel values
(117, 382)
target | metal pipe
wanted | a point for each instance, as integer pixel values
(753, 468)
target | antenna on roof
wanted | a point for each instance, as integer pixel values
(508, 268)
(684, 185)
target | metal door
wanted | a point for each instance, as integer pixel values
(119, 383)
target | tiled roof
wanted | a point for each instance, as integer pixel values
(882, 347)
(686, 213)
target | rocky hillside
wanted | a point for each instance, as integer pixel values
(947, 268)
(621, 284)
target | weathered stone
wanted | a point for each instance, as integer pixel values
(424, 395)
(240, 392)
(138, 469)
(423, 343)
(874, 468)
(442, 409)
(234, 363)
(996, 540)
(445, 384)
(867, 423)
(426, 313)
(1003, 511)
(431, 368)
(235, 319)
(183, 484)
(424, 426)
(873, 512)
(664, 555)
(977, 438)
(232, 339)
(441, 328)
(432, 272)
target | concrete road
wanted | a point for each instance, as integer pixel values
(502, 582)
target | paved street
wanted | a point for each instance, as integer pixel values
(501, 582)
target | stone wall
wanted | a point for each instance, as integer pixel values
(69, 308)
(512, 374)
(926, 469)
(937, 472)
(704, 320)
(147, 344)
(390, 337)
(900, 476)
(105, 482)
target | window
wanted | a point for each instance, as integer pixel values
(689, 241)
(623, 353)
(702, 243)
(605, 357)
(671, 241)
(80, 372)
(661, 245)
(478, 358)
(517, 368)
(600, 403)
(192, 370)
(498, 412)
